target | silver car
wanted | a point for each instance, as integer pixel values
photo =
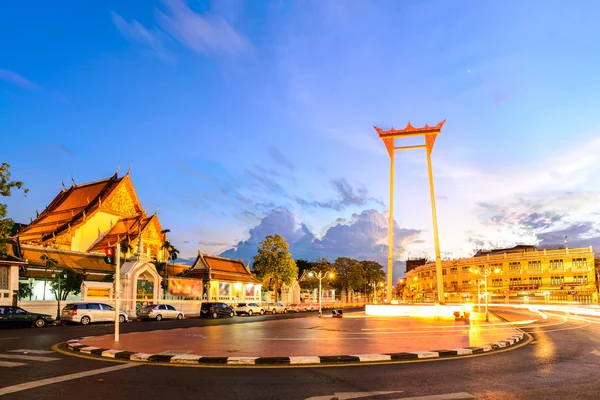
(249, 309)
(159, 312)
(85, 313)
(275, 308)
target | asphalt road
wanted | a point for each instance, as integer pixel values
(562, 361)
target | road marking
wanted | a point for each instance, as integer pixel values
(595, 352)
(350, 395)
(28, 358)
(57, 379)
(31, 351)
(9, 338)
(10, 364)
(447, 396)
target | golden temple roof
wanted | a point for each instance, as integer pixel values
(214, 267)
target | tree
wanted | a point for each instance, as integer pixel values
(274, 263)
(6, 186)
(126, 247)
(372, 274)
(110, 278)
(25, 290)
(70, 284)
(51, 264)
(348, 274)
(303, 265)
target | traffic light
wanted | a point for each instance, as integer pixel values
(109, 255)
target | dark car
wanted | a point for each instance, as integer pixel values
(16, 316)
(216, 310)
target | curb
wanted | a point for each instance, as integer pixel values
(190, 359)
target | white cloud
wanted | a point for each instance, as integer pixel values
(16, 79)
(208, 33)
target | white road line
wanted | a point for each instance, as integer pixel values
(10, 364)
(28, 358)
(31, 351)
(9, 338)
(57, 379)
(447, 396)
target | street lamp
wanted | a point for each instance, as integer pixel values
(320, 277)
(31, 280)
(58, 294)
(485, 272)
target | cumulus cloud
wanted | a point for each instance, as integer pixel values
(18, 80)
(363, 237)
(208, 33)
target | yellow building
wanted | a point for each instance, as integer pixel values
(524, 274)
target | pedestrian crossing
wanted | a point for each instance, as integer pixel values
(17, 357)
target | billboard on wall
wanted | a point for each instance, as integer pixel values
(249, 290)
(185, 287)
(224, 289)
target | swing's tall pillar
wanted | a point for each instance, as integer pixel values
(430, 133)
(390, 260)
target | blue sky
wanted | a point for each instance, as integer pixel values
(242, 119)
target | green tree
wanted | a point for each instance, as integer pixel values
(348, 274)
(303, 265)
(50, 263)
(25, 290)
(321, 266)
(6, 186)
(274, 263)
(110, 278)
(69, 284)
(373, 274)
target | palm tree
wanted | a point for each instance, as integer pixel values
(50, 263)
(126, 247)
(166, 249)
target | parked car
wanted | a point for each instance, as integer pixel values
(249, 309)
(275, 308)
(16, 316)
(299, 307)
(159, 312)
(312, 307)
(84, 313)
(216, 310)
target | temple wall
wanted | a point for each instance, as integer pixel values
(87, 234)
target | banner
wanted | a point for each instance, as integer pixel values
(98, 292)
(224, 289)
(249, 290)
(185, 287)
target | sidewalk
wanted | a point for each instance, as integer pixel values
(313, 337)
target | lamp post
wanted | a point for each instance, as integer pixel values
(484, 272)
(31, 280)
(320, 277)
(58, 295)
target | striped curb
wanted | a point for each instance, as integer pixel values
(191, 359)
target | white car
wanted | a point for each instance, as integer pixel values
(84, 313)
(249, 309)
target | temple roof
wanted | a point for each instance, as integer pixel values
(71, 207)
(220, 268)
(13, 254)
(66, 258)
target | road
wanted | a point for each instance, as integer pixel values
(562, 361)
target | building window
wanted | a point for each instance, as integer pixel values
(465, 270)
(535, 280)
(497, 282)
(582, 279)
(454, 270)
(557, 280)
(466, 284)
(556, 264)
(454, 283)
(514, 266)
(579, 263)
(515, 281)
(496, 266)
(534, 265)
(444, 272)
(4, 278)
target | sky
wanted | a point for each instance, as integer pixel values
(244, 119)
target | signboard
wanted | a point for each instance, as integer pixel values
(224, 289)
(250, 290)
(185, 287)
(98, 292)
